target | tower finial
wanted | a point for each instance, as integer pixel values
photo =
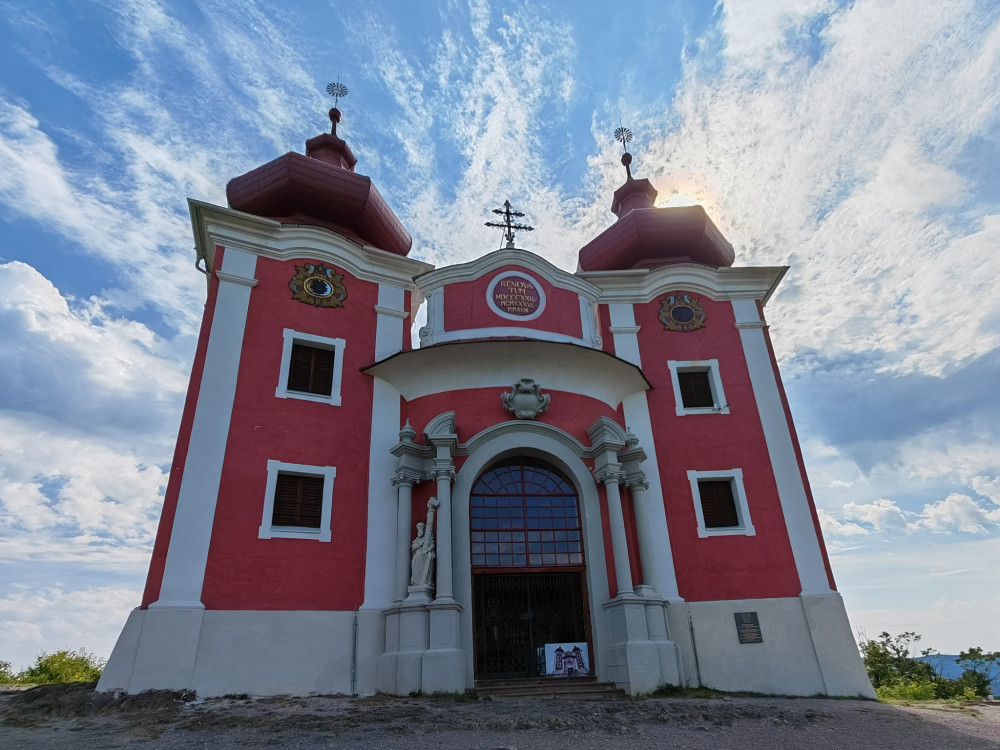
(624, 135)
(338, 91)
(508, 224)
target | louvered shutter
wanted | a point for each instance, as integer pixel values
(696, 390)
(718, 507)
(298, 501)
(310, 370)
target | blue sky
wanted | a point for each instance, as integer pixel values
(856, 141)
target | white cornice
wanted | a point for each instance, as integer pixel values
(634, 286)
(234, 279)
(489, 364)
(507, 257)
(216, 225)
(401, 314)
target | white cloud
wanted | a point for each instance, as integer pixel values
(882, 514)
(959, 512)
(834, 527)
(947, 625)
(845, 167)
(53, 618)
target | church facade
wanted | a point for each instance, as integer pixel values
(603, 458)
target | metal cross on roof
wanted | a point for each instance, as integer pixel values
(508, 224)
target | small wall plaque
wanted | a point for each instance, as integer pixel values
(748, 627)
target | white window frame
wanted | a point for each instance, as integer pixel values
(317, 342)
(735, 476)
(711, 366)
(322, 534)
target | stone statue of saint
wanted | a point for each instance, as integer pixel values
(422, 550)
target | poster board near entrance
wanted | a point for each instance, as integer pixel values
(567, 660)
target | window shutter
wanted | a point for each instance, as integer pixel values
(696, 390)
(718, 507)
(298, 501)
(310, 370)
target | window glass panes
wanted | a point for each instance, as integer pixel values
(524, 513)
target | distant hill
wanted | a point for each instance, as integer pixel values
(946, 665)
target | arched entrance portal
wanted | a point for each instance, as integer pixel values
(527, 557)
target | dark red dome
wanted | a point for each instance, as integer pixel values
(321, 189)
(647, 237)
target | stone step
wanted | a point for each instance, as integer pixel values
(567, 689)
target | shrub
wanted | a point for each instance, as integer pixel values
(7, 676)
(63, 666)
(912, 690)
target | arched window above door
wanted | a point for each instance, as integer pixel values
(523, 513)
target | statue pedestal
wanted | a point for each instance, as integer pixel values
(422, 647)
(641, 656)
(444, 662)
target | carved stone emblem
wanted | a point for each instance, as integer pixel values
(525, 401)
(319, 285)
(681, 312)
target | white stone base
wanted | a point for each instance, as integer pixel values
(807, 647)
(224, 652)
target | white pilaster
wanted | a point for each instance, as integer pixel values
(660, 574)
(389, 325)
(380, 568)
(191, 532)
(777, 434)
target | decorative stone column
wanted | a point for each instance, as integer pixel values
(443, 664)
(635, 663)
(398, 669)
(608, 438)
(657, 623)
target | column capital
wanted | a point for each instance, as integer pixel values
(407, 475)
(609, 473)
(636, 482)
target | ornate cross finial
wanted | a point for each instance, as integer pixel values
(508, 224)
(623, 135)
(337, 90)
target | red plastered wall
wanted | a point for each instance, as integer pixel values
(155, 577)
(721, 567)
(243, 571)
(465, 307)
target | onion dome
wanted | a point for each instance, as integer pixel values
(648, 237)
(321, 189)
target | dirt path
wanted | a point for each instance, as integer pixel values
(58, 717)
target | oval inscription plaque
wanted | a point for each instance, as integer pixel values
(515, 294)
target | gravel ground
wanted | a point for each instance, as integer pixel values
(57, 717)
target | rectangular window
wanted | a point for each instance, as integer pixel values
(311, 368)
(718, 507)
(697, 387)
(720, 503)
(298, 502)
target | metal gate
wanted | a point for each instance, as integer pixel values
(517, 613)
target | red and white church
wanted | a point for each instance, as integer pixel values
(600, 463)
